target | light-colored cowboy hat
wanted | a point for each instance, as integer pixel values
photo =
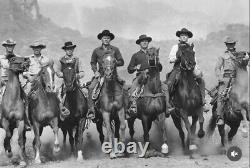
(8, 42)
(38, 44)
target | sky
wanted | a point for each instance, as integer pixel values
(156, 17)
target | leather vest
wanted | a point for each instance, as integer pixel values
(229, 64)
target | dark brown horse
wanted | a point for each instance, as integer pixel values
(187, 100)
(76, 103)
(151, 105)
(12, 107)
(236, 106)
(111, 103)
(43, 107)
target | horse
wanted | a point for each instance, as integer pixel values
(110, 105)
(187, 100)
(76, 103)
(151, 104)
(43, 107)
(12, 107)
(236, 106)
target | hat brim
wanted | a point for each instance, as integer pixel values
(39, 46)
(5, 44)
(230, 42)
(69, 47)
(111, 35)
(188, 33)
(149, 39)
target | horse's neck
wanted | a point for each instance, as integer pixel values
(110, 85)
(13, 83)
(186, 79)
(154, 83)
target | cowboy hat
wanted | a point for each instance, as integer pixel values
(184, 31)
(143, 37)
(38, 44)
(68, 45)
(8, 42)
(229, 40)
(106, 33)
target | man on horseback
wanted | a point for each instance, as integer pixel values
(37, 61)
(69, 60)
(226, 73)
(96, 64)
(139, 62)
(174, 57)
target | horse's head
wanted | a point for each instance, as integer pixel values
(19, 64)
(153, 57)
(47, 75)
(69, 75)
(187, 56)
(109, 65)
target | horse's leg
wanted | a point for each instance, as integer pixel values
(244, 123)
(233, 131)
(146, 124)
(194, 122)
(131, 122)
(64, 135)
(9, 133)
(100, 130)
(177, 123)
(71, 140)
(79, 138)
(163, 128)
(201, 132)
(117, 128)
(190, 138)
(122, 125)
(37, 141)
(106, 119)
(54, 125)
(21, 143)
(221, 129)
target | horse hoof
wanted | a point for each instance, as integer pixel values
(38, 161)
(112, 155)
(79, 156)
(201, 133)
(56, 148)
(192, 147)
(22, 163)
(164, 149)
(9, 154)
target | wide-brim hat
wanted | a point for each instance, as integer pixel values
(38, 44)
(68, 45)
(229, 40)
(143, 37)
(8, 42)
(184, 31)
(106, 33)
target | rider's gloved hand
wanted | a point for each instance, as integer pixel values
(97, 74)
(138, 67)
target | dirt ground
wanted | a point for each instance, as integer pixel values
(208, 155)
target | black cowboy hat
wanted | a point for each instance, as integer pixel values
(8, 42)
(38, 44)
(143, 37)
(106, 33)
(184, 31)
(68, 45)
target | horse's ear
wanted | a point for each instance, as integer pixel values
(158, 51)
(192, 46)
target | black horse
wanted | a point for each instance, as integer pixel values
(151, 104)
(77, 104)
(187, 99)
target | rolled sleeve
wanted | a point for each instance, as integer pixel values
(172, 54)
(218, 67)
(58, 69)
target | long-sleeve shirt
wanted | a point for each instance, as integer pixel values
(79, 66)
(139, 58)
(97, 56)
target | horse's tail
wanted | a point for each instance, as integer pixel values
(212, 123)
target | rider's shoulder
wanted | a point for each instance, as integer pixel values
(225, 55)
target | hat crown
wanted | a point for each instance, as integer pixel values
(9, 41)
(143, 36)
(68, 43)
(229, 39)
